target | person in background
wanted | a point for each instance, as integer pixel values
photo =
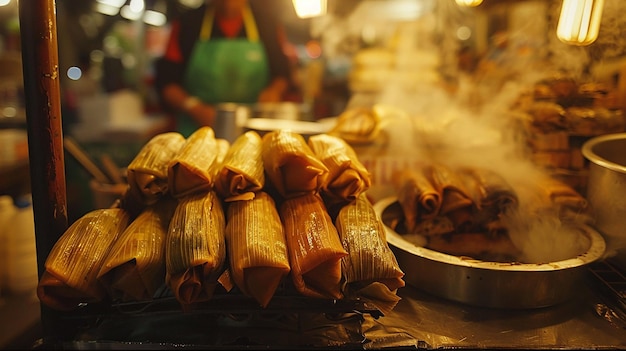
(223, 51)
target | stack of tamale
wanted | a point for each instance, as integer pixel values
(250, 218)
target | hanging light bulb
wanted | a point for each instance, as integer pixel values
(579, 22)
(469, 3)
(309, 8)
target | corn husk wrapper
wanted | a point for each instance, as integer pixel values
(369, 257)
(147, 172)
(190, 170)
(418, 197)
(315, 251)
(196, 247)
(242, 171)
(357, 125)
(490, 192)
(456, 201)
(347, 177)
(72, 265)
(223, 146)
(290, 164)
(134, 269)
(257, 247)
(562, 195)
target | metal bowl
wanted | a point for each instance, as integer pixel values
(605, 189)
(510, 285)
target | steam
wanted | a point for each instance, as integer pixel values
(472, 124)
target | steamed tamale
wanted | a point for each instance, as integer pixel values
(456, 202)
(290, 164)
(72, 266)
(242, 170)
(147, 172)
(196, 248)
(347, 177)
(369, 257)
(134, 269)
(223, 146)
(357, 125)
(257, 247)
(314, 248)
(418, 197)
(189, 170)
(490, 192)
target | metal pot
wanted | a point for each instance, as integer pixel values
(507, 285)
(606, 189)
(230, 119)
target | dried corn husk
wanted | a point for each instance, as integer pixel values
(490, 192)
(290, 164)
(147, 172)
(357, 125)
(347, 177)
(189, 170)
(72, 266)
(369, 257)
(257, 247)
(196, 248)
(134, 269)
(419, 199)
(223, 146)
(242, 171)
(315, 251)
(456, 201)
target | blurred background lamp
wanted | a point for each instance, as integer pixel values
(469, 3)
(309, 8)
(579, 22)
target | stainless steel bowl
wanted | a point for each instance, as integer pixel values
(606, 187)
(491, 284)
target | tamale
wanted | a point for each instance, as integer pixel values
(369, 257)
(257, 247)
(491, 193)
(290, 164)
(134, 268)
(195, 251)
(72, 265)
(314, 248)
(562, 195)
(147, 172)
(357, 125)
(347, 177)
(418, 197)
(189, 170)
(456, 202)
(242, 170)
(223, 146)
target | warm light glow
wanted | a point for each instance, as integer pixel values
(469, 3)
(309, 8)
(579, 22)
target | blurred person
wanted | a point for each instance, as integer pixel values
(223, 51)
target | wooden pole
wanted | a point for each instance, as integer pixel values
(40, 66)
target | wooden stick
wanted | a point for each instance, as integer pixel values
(81, 156)
(112, 170)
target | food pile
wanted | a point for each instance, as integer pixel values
(203, 217)
(560, 115)
(466, 211)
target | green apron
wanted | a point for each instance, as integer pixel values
(225, 70)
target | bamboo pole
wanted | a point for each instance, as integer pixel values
(40, 66)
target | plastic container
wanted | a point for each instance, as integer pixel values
(21, 254)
